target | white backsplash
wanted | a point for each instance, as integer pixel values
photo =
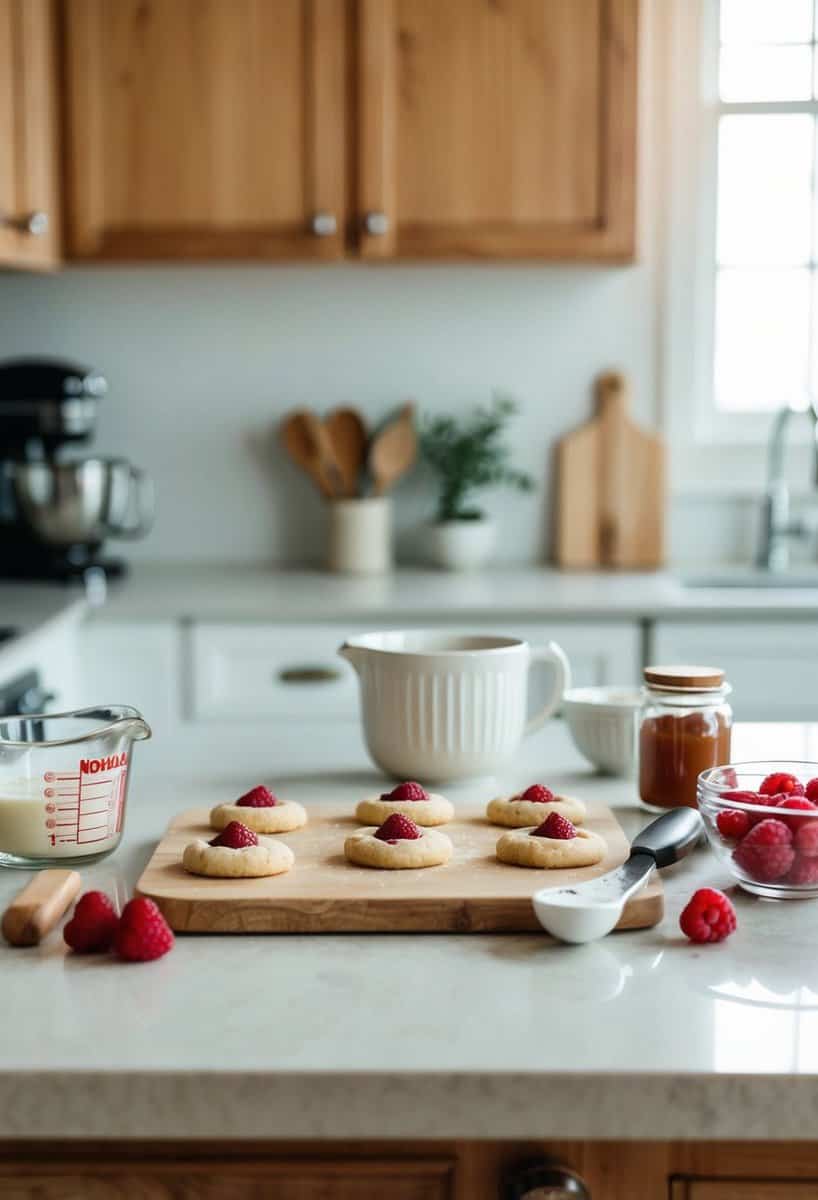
(203, 361)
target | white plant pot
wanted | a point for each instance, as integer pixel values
(462, 545)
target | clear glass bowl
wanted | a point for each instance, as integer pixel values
(784, 870)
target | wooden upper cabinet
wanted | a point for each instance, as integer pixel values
(206, 128)
(29, 199)
(497, 128)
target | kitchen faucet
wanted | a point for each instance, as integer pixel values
(778, 527)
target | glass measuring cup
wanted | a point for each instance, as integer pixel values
(64, 783)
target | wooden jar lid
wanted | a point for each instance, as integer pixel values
(701, 679)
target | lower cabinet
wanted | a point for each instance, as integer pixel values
(445, 1170)
(772, 665)
(415, 1179)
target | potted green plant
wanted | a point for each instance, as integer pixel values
(467, 455)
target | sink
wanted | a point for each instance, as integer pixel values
(752, 577)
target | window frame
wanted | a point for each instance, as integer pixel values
(690, 267)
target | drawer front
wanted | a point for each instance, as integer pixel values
(744, 1189)
(241, 671)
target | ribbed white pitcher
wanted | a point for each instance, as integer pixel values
(437, 706)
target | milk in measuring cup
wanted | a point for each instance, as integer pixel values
(61, 815)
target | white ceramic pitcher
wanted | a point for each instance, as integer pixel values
(437, 706)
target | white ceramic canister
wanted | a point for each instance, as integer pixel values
(360, 536)
(437, 706)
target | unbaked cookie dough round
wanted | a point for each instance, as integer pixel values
(515, 813)
(519, 848)
(250, 862)
(431, 849)
(437, 810)
(282, 817)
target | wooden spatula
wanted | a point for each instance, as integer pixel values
(307, 443)
(393, 450)
(347, 432)
(611, 488)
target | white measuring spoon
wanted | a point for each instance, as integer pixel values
(592, 909)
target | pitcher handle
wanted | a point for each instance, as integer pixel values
(551, 653)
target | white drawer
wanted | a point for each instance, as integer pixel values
(260, 670)
(240, 671)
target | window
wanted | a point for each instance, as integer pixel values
(763, 308)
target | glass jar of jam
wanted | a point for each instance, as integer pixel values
(684, 729)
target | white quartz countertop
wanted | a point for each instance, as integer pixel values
(235, 593)
(641, 1035)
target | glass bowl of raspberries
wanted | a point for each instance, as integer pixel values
(761, 820)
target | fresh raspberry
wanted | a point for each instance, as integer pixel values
(742, 797)
(780, 783)
(766, 852)
(555, 826)
(806, 839)
(143, 932)
(733, 823)
(708, 916)
(235, 836)
(407, 791)
(397, 828)
(258, 797)
(811, 791)
(92, 925)
(538, 794)
(799, 803)
(803, 870)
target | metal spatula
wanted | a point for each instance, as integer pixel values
(590, 910)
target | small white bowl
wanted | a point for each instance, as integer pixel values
(604, 722)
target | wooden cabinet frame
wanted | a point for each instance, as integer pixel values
(91, 236)
(611, 236)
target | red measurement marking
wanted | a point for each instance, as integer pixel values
(79, 807)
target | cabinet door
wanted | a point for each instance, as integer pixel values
(29, 209)
(771, 666)
(743, 1189)
(497, 129)
(339, 1179)
(206, 128)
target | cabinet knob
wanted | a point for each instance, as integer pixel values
(324, 224)
(35, 223)
(543, 1180)
(376, 224)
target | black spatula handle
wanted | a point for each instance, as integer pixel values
(670, 837)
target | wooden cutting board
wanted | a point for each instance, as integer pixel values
(611, 488)
(323, 893)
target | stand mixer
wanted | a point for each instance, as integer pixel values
(56, 512)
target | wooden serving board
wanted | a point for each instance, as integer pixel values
(323, 893)
(611, 488)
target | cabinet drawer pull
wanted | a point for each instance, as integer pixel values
(309, 675)
(324, 224)
(376, 224)
(35, 223)
(544, 1180)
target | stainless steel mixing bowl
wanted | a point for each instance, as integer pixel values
(83, 501)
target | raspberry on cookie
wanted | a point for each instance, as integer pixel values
(409, 799)
(260, 810)
(532, 806)
(398, 844)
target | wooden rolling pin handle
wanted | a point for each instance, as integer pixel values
(35, 910)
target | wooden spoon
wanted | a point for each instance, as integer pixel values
(305, 440)
(393, 450)
(347, 433)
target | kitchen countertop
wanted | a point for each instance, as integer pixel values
(239, 593)
(641, 1035)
